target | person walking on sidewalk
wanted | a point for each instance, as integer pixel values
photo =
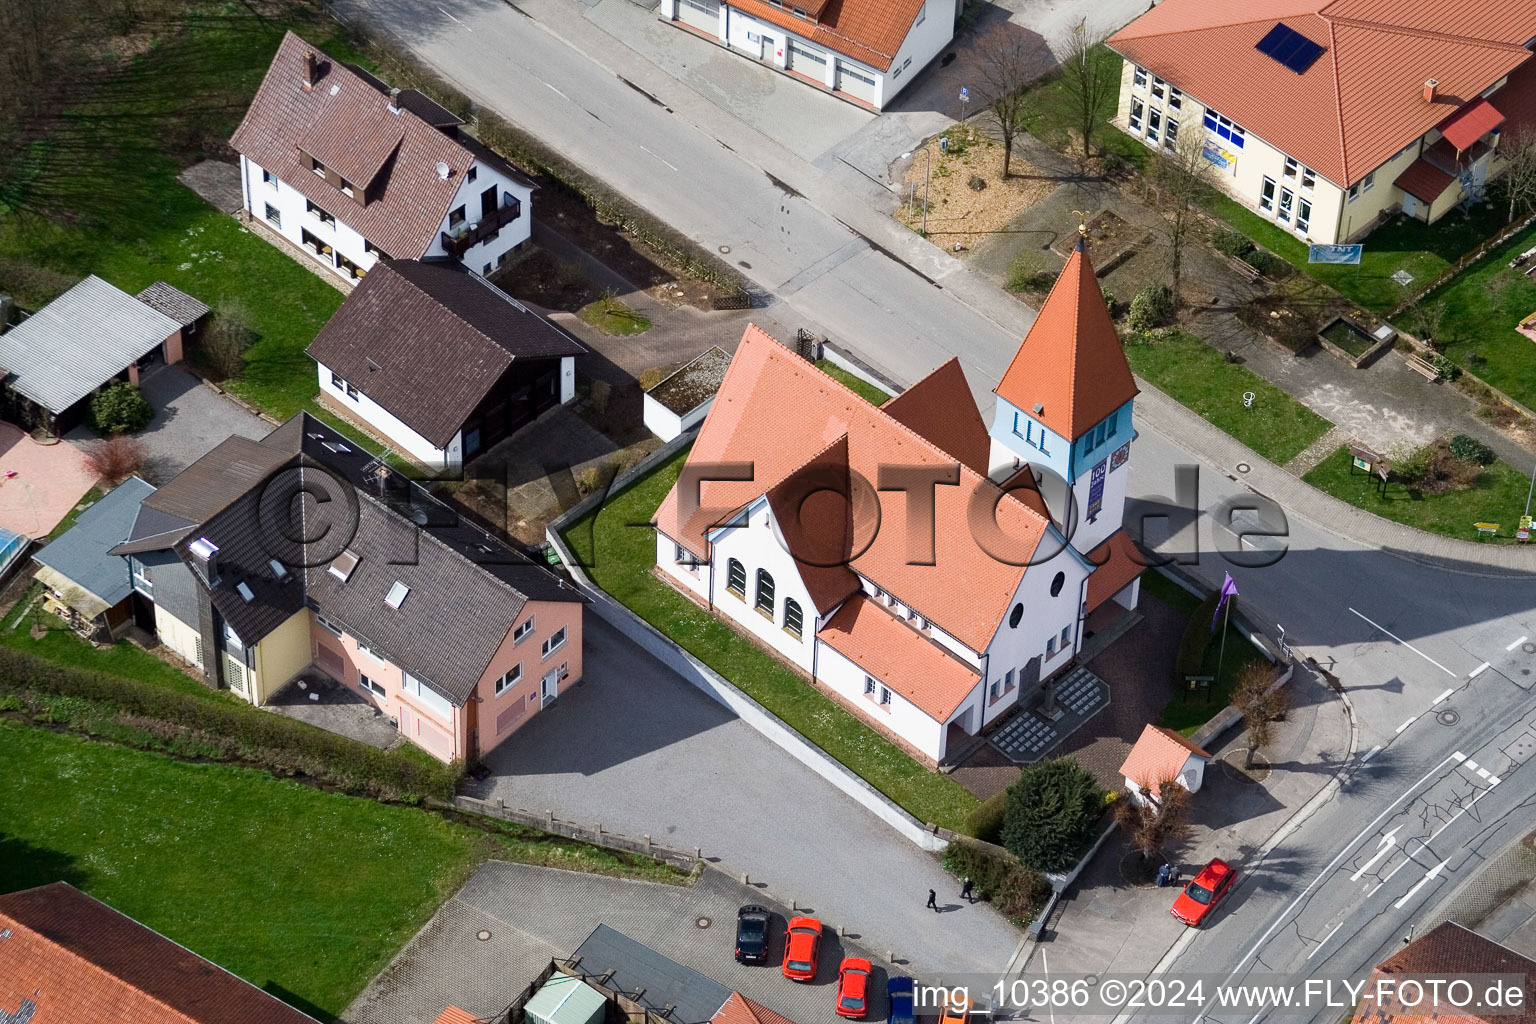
(965, 890)
(933, 899)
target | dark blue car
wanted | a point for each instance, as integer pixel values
(899, 990)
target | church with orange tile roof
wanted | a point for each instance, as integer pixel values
(927, 573)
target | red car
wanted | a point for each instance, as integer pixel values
(801, 943)
(853, 987)
(1201, 895)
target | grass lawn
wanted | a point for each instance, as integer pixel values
(611, 316)
(129, 220)
(1197, 376)
(859, 386)
(620, 557)
(64, 646)
(1498, 496)
(1400, 244)
(1187, 712)
(304, 893)
(1051, 115)
(1483, 305)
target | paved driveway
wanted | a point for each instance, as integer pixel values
(639, 750)
(190, 420)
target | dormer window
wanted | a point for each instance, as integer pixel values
(800, 13)
(317, 166)
(346, 188)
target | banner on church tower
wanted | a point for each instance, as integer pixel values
(1096, 490)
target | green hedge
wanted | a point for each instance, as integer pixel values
(535, 156)
(1197, 639)
(268, 739)
(985, 822)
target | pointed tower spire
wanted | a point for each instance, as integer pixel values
(1071, 371)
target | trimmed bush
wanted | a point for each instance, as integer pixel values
(120, 409)
(1197, 639)
(1469, 449)
(1152, 307)
(1052, 813)
(1233, 243)
(64, 693)
(986, 821)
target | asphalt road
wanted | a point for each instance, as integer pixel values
(1395, 632)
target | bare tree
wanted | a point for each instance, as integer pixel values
(116, 458)
(1007, 64)
(1182, 178)
(1091, 80)
(1519, 149)
(1427, 318)
(1157, 819)
(1261, 704)
(226, 338)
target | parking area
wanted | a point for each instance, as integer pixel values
(502, 928)
(637, 749)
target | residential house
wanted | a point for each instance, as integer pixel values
(441, 362)
(1326, 116)
(1162, 755)
(351, 171)
(83, 582)
(94, 334)
(65, 956)
(266, 559)
(863, 51)
(900, 557)
(1448, 951)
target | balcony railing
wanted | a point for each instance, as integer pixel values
(484, 228)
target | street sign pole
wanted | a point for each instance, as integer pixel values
(965, 100)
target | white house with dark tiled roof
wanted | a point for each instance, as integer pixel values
(351, 171)
(900, 557)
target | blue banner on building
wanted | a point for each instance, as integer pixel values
(1096, 491)
(1341, 254)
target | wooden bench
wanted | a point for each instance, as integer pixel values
(1245, 269)
(1421, 366)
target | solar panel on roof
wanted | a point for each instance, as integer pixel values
(1289, 48)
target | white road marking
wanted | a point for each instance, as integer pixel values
(1387, 842)
(1408, 645)
(1448, 691)
(1344, 852)
(1411, 893)
(1459, 756)
(1493, 780)
(1479, 670)
(1484, 773)
(1471, 766)
(1405, 725)
(557, 92)
(456, 21)
(1371, 753)
(1320, 945)
(1517, 643)
(659, 157)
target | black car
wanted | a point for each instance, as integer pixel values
(752, 924)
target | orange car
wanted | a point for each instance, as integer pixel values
(957, 1008)
(801, 944)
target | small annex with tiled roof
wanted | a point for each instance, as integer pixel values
(454, 636)
(864, 51)
(66, 956)
(1325, 116)
(871, 548)
(350, 171)
(441, 362)
(1159, 756)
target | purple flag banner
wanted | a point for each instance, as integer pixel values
(1228, 589)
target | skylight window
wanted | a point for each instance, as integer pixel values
(397, 594)
(1289, 48)
(342, 567)
(279, 570)
(244, 590)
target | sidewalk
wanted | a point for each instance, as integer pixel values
(1105, 925)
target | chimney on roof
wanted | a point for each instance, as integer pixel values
(309, 70)
(204, 555)
(1430, 85)
(394, 100)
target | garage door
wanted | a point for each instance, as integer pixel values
(856, 82)
(703, 15)
(807, 60)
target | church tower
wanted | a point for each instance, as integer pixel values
(1064, 408)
